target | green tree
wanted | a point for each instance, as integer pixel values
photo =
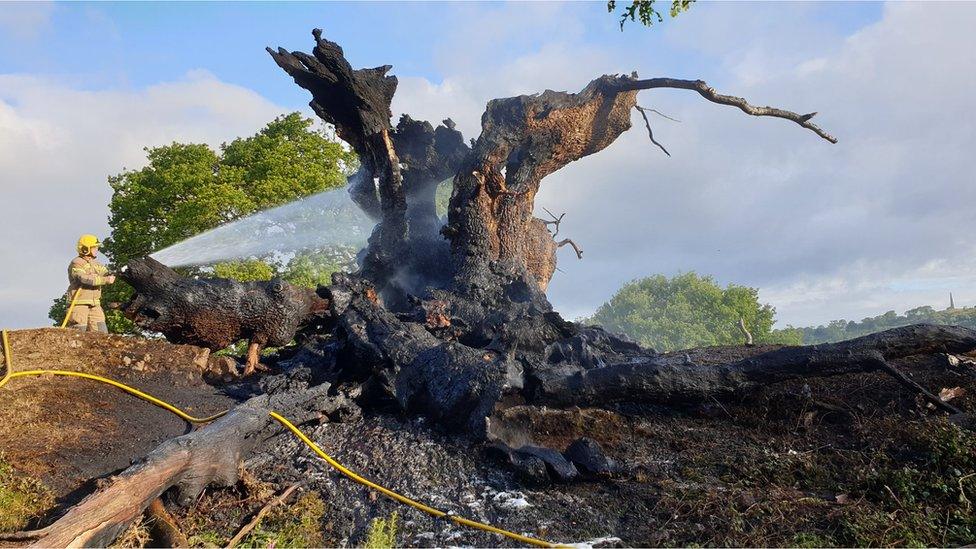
(186, 189)
(687, 311)
(840, 330)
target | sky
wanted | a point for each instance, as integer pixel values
(881, 221)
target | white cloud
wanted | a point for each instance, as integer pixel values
(876, 222)
(58, 144)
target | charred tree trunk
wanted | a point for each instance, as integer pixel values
(490, 219)
(523, 140)
(357, 103)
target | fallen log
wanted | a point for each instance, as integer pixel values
(671, 379)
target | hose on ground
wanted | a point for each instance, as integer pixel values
(9, 374)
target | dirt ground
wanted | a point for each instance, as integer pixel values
(847, 461)
(67, 431)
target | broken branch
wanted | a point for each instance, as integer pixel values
(577, 249)
(257, 518)
(555, 221)
(911, 384)
(647, 124)
(710, 94)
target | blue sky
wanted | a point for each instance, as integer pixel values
(104, 45)
(876, 222)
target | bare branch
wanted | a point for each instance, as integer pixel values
(745, 332)
(555, 221)
(650, 133)
(710, 94)
(577, 249)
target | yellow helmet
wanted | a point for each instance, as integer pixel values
(86, 243)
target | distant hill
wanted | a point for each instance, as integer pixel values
(839, 330)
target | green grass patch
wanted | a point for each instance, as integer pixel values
(298, 525)
(22, 498)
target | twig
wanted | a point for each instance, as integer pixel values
(650, 133)
(720, 405)
(577, 249)
(659, 113)
(555, 221)
(962, 492)
(25, 535)
(257, 518)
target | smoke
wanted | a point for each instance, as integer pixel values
(327, 219)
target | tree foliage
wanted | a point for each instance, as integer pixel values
(646, 12)
(687, 311)
(840, 330)
(186, 189)
(189, 188)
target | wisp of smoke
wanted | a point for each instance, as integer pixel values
(322, 220)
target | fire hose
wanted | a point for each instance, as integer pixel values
(9, 374)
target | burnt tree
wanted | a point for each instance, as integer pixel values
(450, 319)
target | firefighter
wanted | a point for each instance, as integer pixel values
(86, 276)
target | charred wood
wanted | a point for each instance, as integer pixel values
(216, 312)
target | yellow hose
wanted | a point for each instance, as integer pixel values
(131, 390)
(10, 374)
(71, 307)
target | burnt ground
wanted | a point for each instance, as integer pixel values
(848, 461)
(67, 431)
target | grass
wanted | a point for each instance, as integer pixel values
(908, 484)
(22, 498)
(298, 525)
(382, 533)
(135, 536)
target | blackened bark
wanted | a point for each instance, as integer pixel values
(217, 312)
(357, 102)
(462, 376)
(674, 380)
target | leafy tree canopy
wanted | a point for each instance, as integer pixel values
(688, 311)
(189, 188)
(840, 330)
(645, 11)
